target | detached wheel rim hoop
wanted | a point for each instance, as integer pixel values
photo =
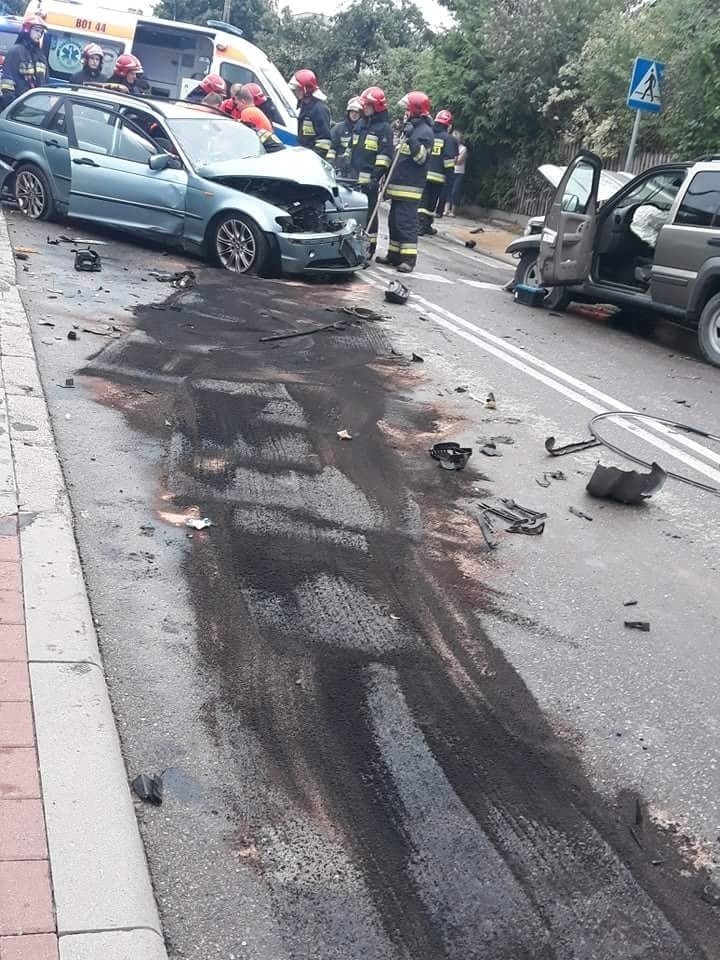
(30, 194)
(236, 246)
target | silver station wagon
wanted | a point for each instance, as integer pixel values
(180, 171)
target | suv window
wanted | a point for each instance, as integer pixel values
(578, 188)
(659, 190)
(35, 109)
(701, 203)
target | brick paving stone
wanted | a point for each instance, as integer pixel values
(25, 898)
(39, 946)
(14, 680)
(11, 607)
(10, 578)
(22, 831)
(10, 549)
(18, 773)
(12, 642)
(16, 725)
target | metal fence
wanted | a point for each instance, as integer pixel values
(532, 194)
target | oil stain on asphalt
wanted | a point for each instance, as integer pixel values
(414, 803)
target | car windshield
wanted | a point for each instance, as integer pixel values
(208, 140)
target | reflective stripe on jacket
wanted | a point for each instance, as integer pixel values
(408, 178)
(372, 154)
(314, 126)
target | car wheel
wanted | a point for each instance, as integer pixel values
(33, 194)
(239, 245)
(709, 331)
(556, 298)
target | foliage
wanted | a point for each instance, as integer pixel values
(12, 8)
(251, 16)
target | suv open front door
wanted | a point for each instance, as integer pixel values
(566, 243)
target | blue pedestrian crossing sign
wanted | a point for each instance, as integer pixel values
(645, 91)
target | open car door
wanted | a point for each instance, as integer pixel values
(566, 243)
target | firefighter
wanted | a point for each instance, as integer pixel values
(373, 152)
(341, 138)
(313, 114)
(25, 64)
(240, 99)
(407, 182)
(212, 83)
(125, 76)
(440, 167)
(92, 65)
(261, 100)
(254, 118)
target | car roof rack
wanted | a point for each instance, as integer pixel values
(706, 157)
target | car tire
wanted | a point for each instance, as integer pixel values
(32, 193)
(238, 244)
(709, 331)
(526, 272)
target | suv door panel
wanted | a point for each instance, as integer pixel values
(566, 242)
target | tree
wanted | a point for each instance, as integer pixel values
(251, 16)
(12, 8)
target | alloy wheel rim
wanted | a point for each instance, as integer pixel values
(30, 195)
(715, 332)
(531, 278)
(236, 246)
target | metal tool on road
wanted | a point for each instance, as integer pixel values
(385, 183)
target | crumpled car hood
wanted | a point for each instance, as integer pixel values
(295, 165)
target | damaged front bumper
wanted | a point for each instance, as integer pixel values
(344, 251)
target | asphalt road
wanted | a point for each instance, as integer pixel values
(380, 738)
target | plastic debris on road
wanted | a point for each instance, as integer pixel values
(625, 486)
(344, 435)
(450, 455)
(88, 261)
(198, 523)
(642, 625)
(397, 292)
(149, 788)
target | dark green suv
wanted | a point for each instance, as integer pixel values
(653, 246)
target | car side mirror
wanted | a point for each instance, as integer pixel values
(164, 161)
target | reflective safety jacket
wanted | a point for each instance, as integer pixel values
(408, 178)
(444, 152)
(314, 126)
(86, 75)
(270, 141)
(372, 154)
(341, 138)
(24, 69)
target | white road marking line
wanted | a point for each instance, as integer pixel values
(505, 352)
(480, 284)
(433, 277)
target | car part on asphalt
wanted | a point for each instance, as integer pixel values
(673, 424)
(149, 788)
(416, 358)
(548, 476)
(338, 325)
(630, 603)
(363, 313)
(521, 519)
(578, 513)
(642, 625)
(471, 244)
(625, 486)
(72, 335)
(487, 531)
(198, 523)
(450, 455)
(69, 383)
(490, 401)
(88, 261)
(490, 450)
(529, 296)
(569, 447)
(344, 435)
(397, 292)
(478, 230)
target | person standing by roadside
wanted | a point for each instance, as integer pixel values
(407, 182)
(373, 153)
(341, 138)
(458, 175)
(25, 66)
(313, 114)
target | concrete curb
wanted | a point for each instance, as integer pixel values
(104, 899)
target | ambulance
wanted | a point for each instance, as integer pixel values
(175, 56)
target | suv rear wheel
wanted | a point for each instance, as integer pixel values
(709, 331)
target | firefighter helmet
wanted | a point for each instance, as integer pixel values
(258, 94)
(445, 118)
(374, 97)
(254, 117)
(213, 83)
(92, 50)
(33, 20)
(127, 63)
(416, 103)
(304, 82)
(354, 105)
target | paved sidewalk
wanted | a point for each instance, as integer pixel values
(493, 240)
(74, 883)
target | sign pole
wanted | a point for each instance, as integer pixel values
(633, 142)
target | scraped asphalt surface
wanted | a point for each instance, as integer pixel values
(378, 738)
